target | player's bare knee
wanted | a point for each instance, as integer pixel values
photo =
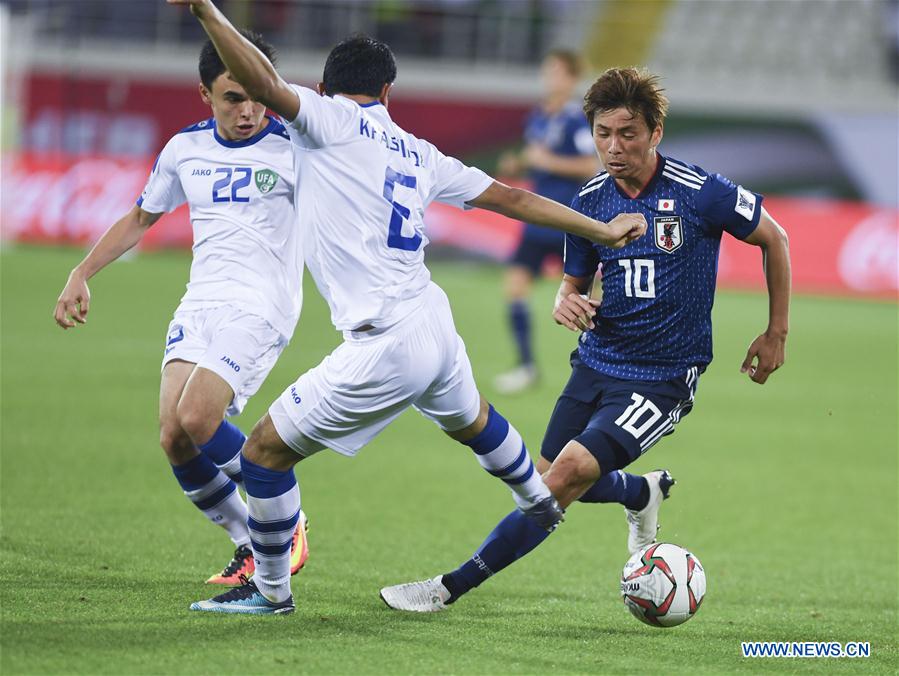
(475, 428)
(197, 421)
(265, 447)
(176, 444)
(572, 473)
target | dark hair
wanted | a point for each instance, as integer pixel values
(636, 90)
(359, 65)
(211, 65)
(573, 62)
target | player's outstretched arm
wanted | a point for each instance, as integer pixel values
(74, 301)
(573, 308)
(767, 352)
(524, 205)
(247, 65)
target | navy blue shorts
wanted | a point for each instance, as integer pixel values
(616, 420)
(536, 245)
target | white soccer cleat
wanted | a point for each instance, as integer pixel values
(644, 524)
(517, 380)
(427, 596)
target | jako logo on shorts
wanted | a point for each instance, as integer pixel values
(230, 363)
(293, 393)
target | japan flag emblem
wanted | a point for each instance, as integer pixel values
(666, 205)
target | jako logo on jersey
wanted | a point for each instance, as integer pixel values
(230, 363)
(294, 395)
(202, 172)
(669, 232)
(266, 180)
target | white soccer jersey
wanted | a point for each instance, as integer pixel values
(247, 251)
(364, 184)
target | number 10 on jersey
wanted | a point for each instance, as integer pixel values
(639, 277)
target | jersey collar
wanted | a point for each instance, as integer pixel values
(255, 138)
(650, 185)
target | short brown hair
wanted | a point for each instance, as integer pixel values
(573, 62)
(637, 90)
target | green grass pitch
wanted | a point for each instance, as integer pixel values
(786, 492)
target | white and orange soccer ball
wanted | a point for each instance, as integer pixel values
(663, 585)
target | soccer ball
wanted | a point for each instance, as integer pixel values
(663, 585)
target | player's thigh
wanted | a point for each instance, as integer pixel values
(518, 280)
(452, 399)
(203, 403)
(633, 417)
(350, 397)
(242, 350)
(569, 418)
(172, 437)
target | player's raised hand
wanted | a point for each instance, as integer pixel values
(624, 229)
(764, 356)
(74, 302)
(575, 312)
(196, 6)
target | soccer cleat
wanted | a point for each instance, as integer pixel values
(245, 600)
(242, 565)
(427, 596)
(299, 548)
(644, 524)
(517, 380)
(546, 513)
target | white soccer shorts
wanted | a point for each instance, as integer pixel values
(238, 346)
(370, 379)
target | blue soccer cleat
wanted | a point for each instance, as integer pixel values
(246, 600)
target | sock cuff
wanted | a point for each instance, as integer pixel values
(494, 433)
(262, 482)
(196, 472)
(226, 442)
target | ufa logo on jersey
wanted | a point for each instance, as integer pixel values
(266, 180)
(669, 232)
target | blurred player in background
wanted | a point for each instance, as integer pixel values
(364, 184)
(559, 156)
(235, 171)
(643, 348)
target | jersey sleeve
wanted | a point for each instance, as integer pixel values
(321, 120)
(163, 191)
(581, 258)
(456, 183)
(724, 205)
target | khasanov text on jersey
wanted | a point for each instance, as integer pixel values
(654, 322)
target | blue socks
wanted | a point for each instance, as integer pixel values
(273, 500)
(501, 451)
(224, 449)
(513, 537)
(630, 490)
(214, 494)
(520, 321)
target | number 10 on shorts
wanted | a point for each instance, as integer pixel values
(637, 418)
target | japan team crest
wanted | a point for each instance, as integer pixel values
(265, 180)
(669, 232)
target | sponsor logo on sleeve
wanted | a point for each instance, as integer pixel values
(265, 180)
(745, 203)
(669, 233)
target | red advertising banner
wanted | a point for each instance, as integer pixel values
(836, 247)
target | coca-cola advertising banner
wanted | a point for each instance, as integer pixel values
(836, 247)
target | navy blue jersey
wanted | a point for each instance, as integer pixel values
(563, 133)
(655, 320)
